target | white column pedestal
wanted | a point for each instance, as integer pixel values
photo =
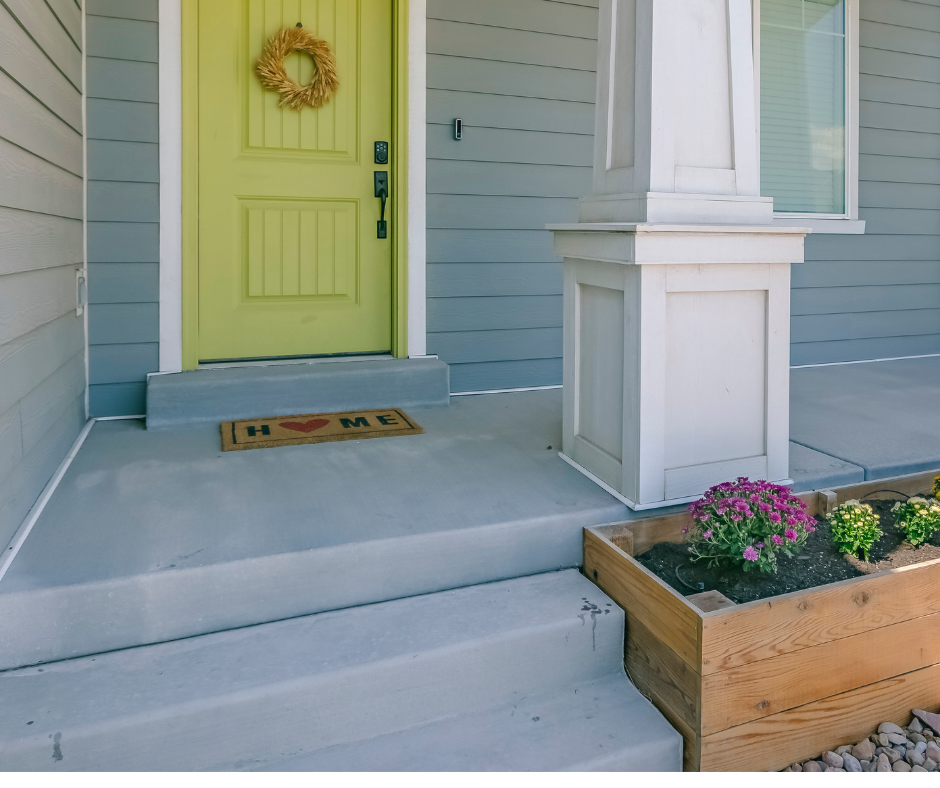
(676, 355)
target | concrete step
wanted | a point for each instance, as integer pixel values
(251, 697)
(601, 725)
(158, 535)
(215, 395)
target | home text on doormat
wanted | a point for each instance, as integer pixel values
(316, 428)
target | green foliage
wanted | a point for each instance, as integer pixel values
(936, 488)
(918, 517)
(854, 528)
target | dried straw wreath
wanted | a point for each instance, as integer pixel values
(273, 76)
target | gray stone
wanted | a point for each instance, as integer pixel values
(883, 740)
(850, 762)
(897, 738)
(843, 749)
(920, 746)
(930, 765)
(918, 769)
(837, 769)
(884, 765)
(915, 758)
(901, 766)
(832, 760)
(891, 754)
(916, 738)
(890, 727)
(932, 721)
(916, 726)
(812, 766)
(867, 766)
(932, 751)
(864, 750)
(795, 767)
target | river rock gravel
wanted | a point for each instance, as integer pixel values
(891, 748)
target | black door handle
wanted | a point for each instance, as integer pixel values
(381, 191)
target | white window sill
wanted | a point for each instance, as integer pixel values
(823, 226)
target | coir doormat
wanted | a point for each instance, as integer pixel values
(316, 428)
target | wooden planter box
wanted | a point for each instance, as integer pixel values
(760, 685)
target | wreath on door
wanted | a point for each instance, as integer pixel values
(270, 68)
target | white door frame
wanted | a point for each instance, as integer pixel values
(171, 182)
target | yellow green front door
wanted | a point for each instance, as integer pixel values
(289, 259)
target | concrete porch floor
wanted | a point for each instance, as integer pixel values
(153, 536)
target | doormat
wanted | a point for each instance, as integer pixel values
(316, 428)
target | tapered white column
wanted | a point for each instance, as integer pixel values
(677, 284)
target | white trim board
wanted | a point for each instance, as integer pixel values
(417, 177)
(171, 185)
(503, 391)
(6, 560)
(171, 182)
(864, 361)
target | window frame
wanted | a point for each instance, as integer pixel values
(847, 222)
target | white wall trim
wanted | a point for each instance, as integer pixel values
(84, 215)
(27, 525)
(864, 361)
(171, 186)
(417, 178)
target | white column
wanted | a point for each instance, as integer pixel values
(676, 285)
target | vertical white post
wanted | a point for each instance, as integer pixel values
(171, 186)
(417, 178)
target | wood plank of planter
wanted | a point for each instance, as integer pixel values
(769, 627)
(646, 599)
(761, 689)
(911, 484)
(673, 687)
(775, 742)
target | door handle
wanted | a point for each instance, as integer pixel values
(381, 191)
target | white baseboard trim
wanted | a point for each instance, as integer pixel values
(864, 361)
(27, 525)
(502, 391)
(121, 418)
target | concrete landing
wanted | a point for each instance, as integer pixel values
(882, 417)
(440, 666)
(214, 395)
(156, 535)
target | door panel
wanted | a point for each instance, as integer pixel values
(289, 262)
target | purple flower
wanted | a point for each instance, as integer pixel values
(736, 517)
(685, 530)
(764, 507)
(750, 554)
(790, 534)
(777, 539)
(708, 534)
(774, 517)
(748, 513)
(809, 528)
(705, 518)
(760, 545)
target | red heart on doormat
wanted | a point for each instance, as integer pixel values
(305, 426)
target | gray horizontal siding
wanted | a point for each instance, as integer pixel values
(42, 341)
(123, 203)
(521, 76)
(878, 295)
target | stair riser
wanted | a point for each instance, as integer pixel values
(73, 621)
(243, 393)
(344, 706)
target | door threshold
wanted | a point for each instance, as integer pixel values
(278, 362)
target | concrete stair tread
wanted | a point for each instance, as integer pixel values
(337, 677)
(155, 536)
(600, 725)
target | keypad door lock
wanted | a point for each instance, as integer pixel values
(381, 153)
(381, 191)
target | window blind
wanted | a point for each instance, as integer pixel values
(802, 105)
